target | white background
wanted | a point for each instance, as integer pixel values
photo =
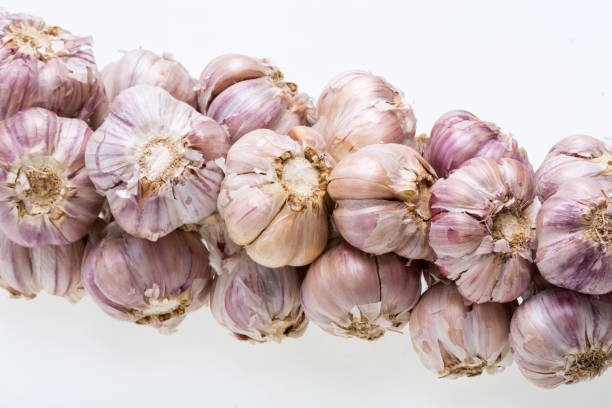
(541, 71)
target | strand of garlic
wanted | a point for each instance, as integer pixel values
(46, 66)
(274, 197)
(575, 236)
(46, 197)
(145, 282)
(382, 200)
(141, 66)
(483, 229)
(245, 93)
(357, 109)
(154, 159)
(349, 293)
(561, 337)
(55, 269)
(458, 136)
(256, 303)
(454, 338)
(572, 158)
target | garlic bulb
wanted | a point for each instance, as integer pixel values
(573, 157)
(46, 197)
(56, 269)
(575, 237)
(46, 66)
(258, 303)
(561, 337)
(483, 234)
(214, 235)
(352, 294)
(154, 159)
(458, 136)
(153, 283)
(382, 196)
(245, 94)
(357, 109)
(456, 339)
(273, 199)
(145, 67)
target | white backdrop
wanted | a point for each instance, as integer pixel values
(541, 71)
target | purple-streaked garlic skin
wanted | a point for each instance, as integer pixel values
(141, 66)
(456, 339)
(154, 159)
(46, 196)
(575, 237)
(245, 94)
(258, 303)
(574, 157)
(458, 136)
(382, 200)
(349, 293)
(55, 269)
(46, 66)
(562, 337)
(432, 274)
(357, 109)
(483, 229)
(227, 70)
(273, 199)
(215, 237)
(146, 282)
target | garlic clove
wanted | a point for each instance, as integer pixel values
(226, 70)
(153, 283)
(291, 238)
(454, 339)
(575, 235)
(154, 159)
(572, 158)
(357, 109)
(561, 337)
(258, 303)
(351, 294)
(46, 197)
(458, 136)
(46, 66)
(483, 234)
(382, 195)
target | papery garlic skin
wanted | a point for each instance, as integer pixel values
(458, 136)
(258, 303)
(357, 109)
(154, 160)
(574, 157)
(382, 196)
(141, 66)
(55, 269)
(274, 199)
(46, 196)
(456, 339)
(349, 293)
(152, 283)
(215, 237)
(244, 94)
(483, 233)
(46, 66)
(561, 337)
(575, 237)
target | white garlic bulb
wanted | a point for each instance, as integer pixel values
(273, 199)
(154, 160)
(483, 231)
(454, 338)
(349, 293)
